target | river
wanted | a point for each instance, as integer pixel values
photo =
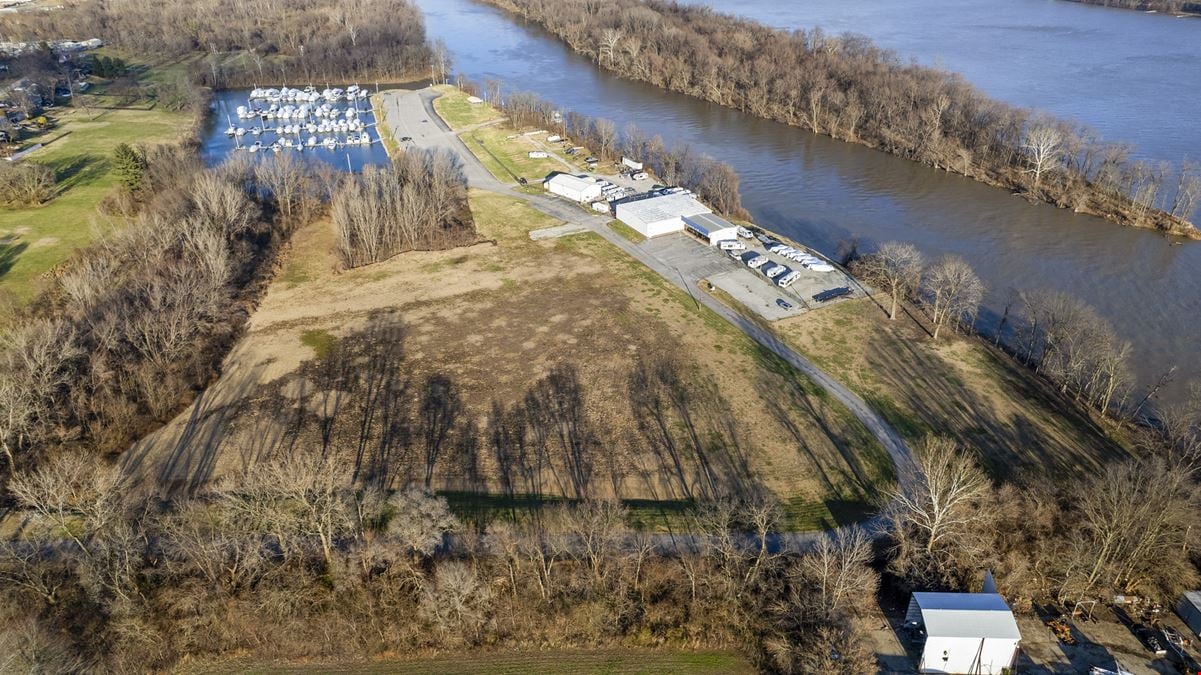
(824, 192)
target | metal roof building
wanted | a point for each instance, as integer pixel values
(1189, 609)
(659, 215)
(711, 228)
(965, 632)
(573, 187)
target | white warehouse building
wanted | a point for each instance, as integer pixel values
(660, 215)
(710, 228)
(965, 632)
(573, 187)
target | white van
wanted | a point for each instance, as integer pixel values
(745, 233)
(731, 245)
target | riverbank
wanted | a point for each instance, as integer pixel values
(943, 122)
(1177, 8)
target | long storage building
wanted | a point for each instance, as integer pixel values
(573, 187)
(664, 214)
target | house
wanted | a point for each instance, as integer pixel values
(659, 215)
(964, 632)
(1189, 609)
(573, 187)
(710, 229)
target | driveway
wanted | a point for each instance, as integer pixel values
(411, 113)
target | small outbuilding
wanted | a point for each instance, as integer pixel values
(965, 632)
(1189, 609)
(663, 214)
(573, 187)
(710, 228)
(474, 100)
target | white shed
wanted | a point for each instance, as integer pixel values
(711, 228)
(965, 632)
(474, 100)
(660, 215)
(573, 187)
(1189, 609)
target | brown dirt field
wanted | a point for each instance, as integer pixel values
(957, 387)
(496, 318)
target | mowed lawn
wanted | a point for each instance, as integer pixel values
(454, 109)
(35, 239)
(567, 662)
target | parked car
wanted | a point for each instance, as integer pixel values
(641, 175)
(406, 139)
(784, 304)
(745, 233)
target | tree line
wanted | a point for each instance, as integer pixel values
(418, 202)
(1060, 337)
(713, 181)
(281, 41)
(1165, 6)
(290, 558)
(284, 560)
(848, 88)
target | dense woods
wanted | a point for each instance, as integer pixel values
(292, 41)
(713, 181)
(419, 202)
(137, 323)
(846, 87)
(1166, 6)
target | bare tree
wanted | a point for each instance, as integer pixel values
(953, 292)
(895, 268)
(936, 519)
(839, 570)
(1042, 145)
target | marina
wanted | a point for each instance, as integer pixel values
(332, 125)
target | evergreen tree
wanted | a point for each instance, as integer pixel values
(130, 165)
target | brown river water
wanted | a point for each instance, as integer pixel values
(1133, 77)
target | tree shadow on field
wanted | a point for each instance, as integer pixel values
(689, 433)
(1018, 442)
(10, 251)
(77, 170)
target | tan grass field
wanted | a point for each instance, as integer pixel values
(495, 318)
(957, 387)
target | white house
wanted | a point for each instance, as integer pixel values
(710, 228)
(1189, 609)
(965, 632)
(573, 187)
(655, 216)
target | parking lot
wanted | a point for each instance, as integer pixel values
(692, 259)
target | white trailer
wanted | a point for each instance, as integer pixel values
(731, 245)
(636, 166)
(786, 280)
(757, 262)
(538, 154)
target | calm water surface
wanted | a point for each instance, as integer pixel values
(825, 192)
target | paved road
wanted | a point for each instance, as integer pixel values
(412, 114)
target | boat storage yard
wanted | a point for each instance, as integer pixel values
(765, 273)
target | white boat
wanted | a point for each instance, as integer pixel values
(239, 132)
(258, 145)
(312, 142)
